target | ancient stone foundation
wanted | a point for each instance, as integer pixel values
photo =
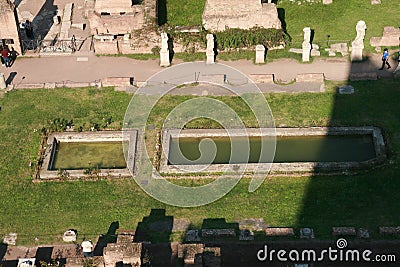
(219, 15)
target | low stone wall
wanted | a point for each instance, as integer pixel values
(310, 77)
(262, 78)
(363, 76)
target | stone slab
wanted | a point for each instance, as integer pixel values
(310, 77)
(307, 233)
(10, 239)
(346, 90)
(262, 78)
(246, 235)
(389, 230)
(279, 231)
(218, 233)
(192, 236)
(363, 76)
(344, 231)
(117, 81)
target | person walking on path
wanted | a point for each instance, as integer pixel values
(5, 54)
(398, 64)
(87, 248)
(385, 58)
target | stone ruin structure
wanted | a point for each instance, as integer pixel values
(9, 28)
(116, 17)
(358, 43)
(390, 37)
(218, 15)
(112, 21)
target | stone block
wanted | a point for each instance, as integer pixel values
(279, 231)
(344, 231)
(10, 239)
(315, 53)
(218, 233)
(3, 84)
(375, 2)
(189, 252)
(80, 26)
(26, 262)
(363, 76)
(332, 54)
(110, 47)
(192, 236)
(246, 235)
(327, 2)
(310, 77)
(29, 86)
(262, 78)
(260, 54)
(50, 86)
(70, 235)
(307, 233)
(346, 90)
(117, 81)
(392, 230)
(255, 224)
(362, 233)
(296, 50)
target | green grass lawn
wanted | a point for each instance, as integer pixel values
(338, 19)
(45, 210)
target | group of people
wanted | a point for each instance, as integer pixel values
(385, 60)
(7, 57)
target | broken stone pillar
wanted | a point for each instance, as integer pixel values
(260, 54)
(164, 52)
(210, 49)
(3, 84)
(358, 43)
(306, 44)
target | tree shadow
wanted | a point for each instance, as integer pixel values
(161, 11)
(104, 239)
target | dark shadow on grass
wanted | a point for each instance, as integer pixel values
(161, 12)
(156, 229)
(43, 254)
(369, 198)
(104, 239)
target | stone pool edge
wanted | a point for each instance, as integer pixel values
(102, 136)
(277, 168)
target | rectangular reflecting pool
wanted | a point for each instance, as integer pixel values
(83, 155)
(315, 149)
(329, 148)
(80, 155)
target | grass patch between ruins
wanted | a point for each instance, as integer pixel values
(45, 210)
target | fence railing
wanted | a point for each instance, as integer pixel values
(52, 46)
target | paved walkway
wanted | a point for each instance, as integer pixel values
(89, 68)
